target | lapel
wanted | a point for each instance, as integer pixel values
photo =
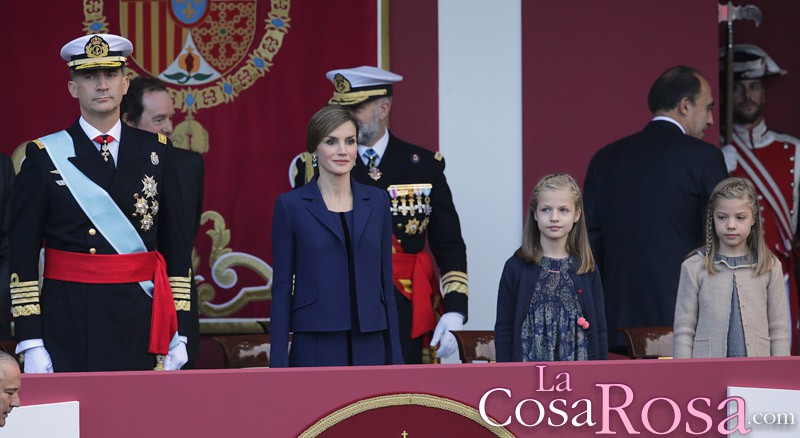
(318, 209)
(392, 164)
(362, 208)
(88, 159)
(130, 160)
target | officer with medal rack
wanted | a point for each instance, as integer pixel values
(421, 206)
(115, 291)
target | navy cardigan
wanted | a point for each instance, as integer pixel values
(514, 297)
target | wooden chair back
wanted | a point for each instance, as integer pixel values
(648, 342)
(475, 345)
(245, 351)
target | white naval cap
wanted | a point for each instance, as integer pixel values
(353, 86)
(96, 51)
(750, 62)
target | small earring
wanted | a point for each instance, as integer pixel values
(314, 161)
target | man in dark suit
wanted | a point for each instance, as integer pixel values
(422, 210)
(646, 198)
(100, 197)
(147, 105)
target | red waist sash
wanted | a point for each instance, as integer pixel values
(418, 269)
(122, 268)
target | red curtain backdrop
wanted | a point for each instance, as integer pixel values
(253, 132)
(587, 67)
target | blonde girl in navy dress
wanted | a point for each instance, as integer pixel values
(550, 301)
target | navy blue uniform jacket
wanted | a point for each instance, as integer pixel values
(514, 299)
(308, 244)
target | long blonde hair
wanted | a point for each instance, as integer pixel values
(577, 241)
(738, 188)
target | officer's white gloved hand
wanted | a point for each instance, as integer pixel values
(37, 360)
(442, 336)
(177, 356)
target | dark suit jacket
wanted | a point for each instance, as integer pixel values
(92, 327)
(514, 298)
(308, 244)
(645, 201)
(189, 168)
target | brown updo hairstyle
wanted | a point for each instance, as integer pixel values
(325, 121)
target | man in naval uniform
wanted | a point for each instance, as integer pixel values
(147, 105)
(422, 207)
(766, 157)
(101, 199)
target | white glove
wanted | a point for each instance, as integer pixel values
(449, 321)
(37, 360)
(177, 356)
(730, 154)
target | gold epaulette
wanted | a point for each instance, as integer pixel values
(454, 281)
(24, 297)
(307, 160)
(162, 138)
(181, 292)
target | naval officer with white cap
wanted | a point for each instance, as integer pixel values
(422, 211)
(98, 196)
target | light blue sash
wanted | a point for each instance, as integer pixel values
(98, 205)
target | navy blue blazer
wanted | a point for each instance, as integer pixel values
(514, 298)
(308, 244)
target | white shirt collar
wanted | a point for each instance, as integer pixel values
(92, 133)
(671, 120)
(379, 147)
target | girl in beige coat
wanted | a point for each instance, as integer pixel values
(731, 297)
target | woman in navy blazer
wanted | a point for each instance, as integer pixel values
(332, 256)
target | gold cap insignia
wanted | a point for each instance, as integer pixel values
(341, 84)
(96, 47)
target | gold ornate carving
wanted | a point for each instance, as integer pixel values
(424, 400)
(222, 262)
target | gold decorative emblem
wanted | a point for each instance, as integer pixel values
(150, 188)
(341, 84)
(140, 205)
(375, 173)
(412, 226)
(96, 47)
(154, 158)
(147, 222)
(144, 209)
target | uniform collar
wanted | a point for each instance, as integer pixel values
(758, 137)
(379, 147)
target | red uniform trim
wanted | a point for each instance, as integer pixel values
(419, 269)
(122, 268)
